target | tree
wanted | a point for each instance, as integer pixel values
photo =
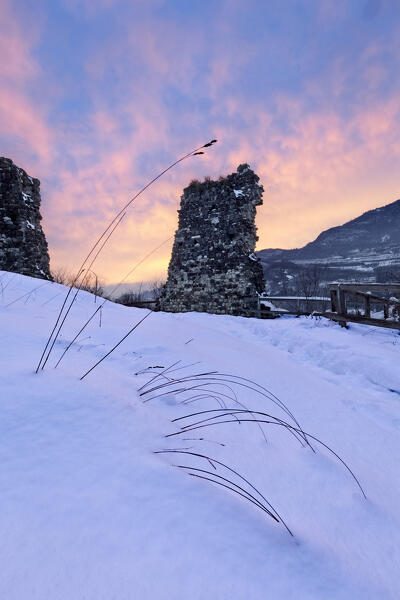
(309, 283)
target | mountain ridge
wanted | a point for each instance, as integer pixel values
(366, 248)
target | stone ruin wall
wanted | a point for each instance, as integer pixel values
(23, 246)
(213, 267)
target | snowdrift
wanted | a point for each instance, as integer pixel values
(89, 509)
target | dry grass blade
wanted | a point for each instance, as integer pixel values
(77, 335)
(281, 424)
(239, 381)
(203, 387)
(258, 389)
(250, 496)
(77, 291)
(164, 384)
(57, 321)
(117, 219)
(9, 280)
(233, 490)
(265, 391)
(225, 412)
(26, 295)
(198, 397)
(168, 370)
(117, 344)
(211, 461)
(106, 300)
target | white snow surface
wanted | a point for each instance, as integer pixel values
(27, 197)
(89, 512)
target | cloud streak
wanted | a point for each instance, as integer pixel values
(22, 121)
(325, 140)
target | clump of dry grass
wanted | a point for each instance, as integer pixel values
(220, 388)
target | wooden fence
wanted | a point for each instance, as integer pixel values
(370, 304)
(382, 297)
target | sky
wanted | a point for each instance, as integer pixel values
(98, 96)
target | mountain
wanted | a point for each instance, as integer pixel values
(364, 249)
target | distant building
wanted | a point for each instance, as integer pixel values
(213, 267)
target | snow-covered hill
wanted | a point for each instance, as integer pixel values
(364, 249)
(89, 512)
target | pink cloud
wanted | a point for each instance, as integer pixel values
(317, 176)
(323, 170)
(21, 118)
(16, 62)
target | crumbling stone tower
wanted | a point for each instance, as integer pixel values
(23, 246)
(213, 267)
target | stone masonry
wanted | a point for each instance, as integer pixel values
(213, 267)
(23, 246)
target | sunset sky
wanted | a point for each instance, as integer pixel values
(98, 96)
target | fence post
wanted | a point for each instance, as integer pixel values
(367, 306)
(385, 311)
(342, 300)
(334, 301)
(342, 305)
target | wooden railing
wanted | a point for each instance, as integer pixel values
(346, 297)
(295, 305)
(350, 302)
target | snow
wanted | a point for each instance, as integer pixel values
(29, 224)
(88, 511)
(27, 197)
(267, 297)
(238, 193)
